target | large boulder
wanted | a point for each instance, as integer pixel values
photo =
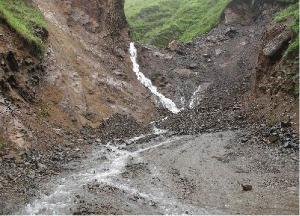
(276, 44)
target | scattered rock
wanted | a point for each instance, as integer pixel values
(218, 52)
(10, 156)
(12, 61)
(244, 140)
(193, 66)
(175, 46)
(273, 138)
(41, 33)
(246, 187)
(205, 55)
(230, 32)
(41, 166)
(275, 45)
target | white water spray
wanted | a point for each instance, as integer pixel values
(196, 97)
(166, 102)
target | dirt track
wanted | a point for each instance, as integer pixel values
(200, 174)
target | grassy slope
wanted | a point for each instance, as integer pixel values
(158, 22)
(291, 12)
(24, 19)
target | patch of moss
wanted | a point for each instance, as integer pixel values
(25, 20)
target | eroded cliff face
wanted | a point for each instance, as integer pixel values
(88, 60)
(85, 76)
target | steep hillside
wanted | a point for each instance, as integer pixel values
(64, 66)
(160, 21)
(277, 73)
(27, 22)
(93, 123)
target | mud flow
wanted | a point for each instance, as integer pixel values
(167, 175)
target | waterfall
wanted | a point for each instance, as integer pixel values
(166, 102)
(194, 98)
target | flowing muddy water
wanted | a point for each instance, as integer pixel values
(105, 165)
(173, 175)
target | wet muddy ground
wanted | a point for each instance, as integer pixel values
(212, 173)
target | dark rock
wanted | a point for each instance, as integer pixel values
(246, 187)
(12, 61)
(41, 33)
(288, 144)
(193, 66)
(90, 116)
(273, 138)
(244, 140)
(231, 32)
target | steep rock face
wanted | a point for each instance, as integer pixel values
(88, 61)
(276, 81)
(98, 15)
(85, 76)
(20, 77)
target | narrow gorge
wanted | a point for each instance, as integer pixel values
(134, 107)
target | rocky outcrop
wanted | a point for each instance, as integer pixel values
(276, 80)
(275, 45)
(98, 15)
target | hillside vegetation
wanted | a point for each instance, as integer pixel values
(25, 20)
(291, 12)
(157, 22)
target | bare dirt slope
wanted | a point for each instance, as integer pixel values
(88, 61)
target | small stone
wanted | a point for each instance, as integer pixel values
(288, 144)
(28, 61)
(206, 55)
(246, 187)
(273, 138)
(31, 175)
(244, 140)
(218, 52)
(9, 157)
(42, 166)
(193, 66)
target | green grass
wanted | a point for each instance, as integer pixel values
(157, 22)
(291, 12)
(24, 19)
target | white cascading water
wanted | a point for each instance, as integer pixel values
(194, 98)
(166, 102)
